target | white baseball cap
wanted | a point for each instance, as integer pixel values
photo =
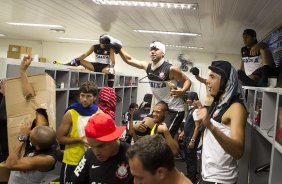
(158, 45)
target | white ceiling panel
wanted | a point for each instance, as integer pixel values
(220, 22)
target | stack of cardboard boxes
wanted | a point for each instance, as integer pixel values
(15, 51)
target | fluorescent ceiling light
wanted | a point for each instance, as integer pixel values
(149, 4)
(34, 25)
(77, 39)
(166, 32)
(2, 34)
(185, 47)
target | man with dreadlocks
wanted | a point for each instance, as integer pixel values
(224, 135)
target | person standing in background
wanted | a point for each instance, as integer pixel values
(191, 136)
(71, 130)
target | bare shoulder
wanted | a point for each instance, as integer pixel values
(236, 111)
(185, 180)
(237, 108)
(174, 69)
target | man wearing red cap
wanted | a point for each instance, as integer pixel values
(105, 161)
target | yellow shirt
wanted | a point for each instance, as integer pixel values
(74, 152)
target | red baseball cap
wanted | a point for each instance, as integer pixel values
(102, 127)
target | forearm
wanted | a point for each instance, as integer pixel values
(68, 140)
(14, 156)
(130, 60)
(230, 146)
(186, 85)
(202, 80)
(28, 90)
(83, 56)
(112, 63)
(125, 56)
(132, 130)
(267, 58)
(171, 142)
(196, 133)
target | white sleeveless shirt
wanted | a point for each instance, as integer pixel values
(217, 165)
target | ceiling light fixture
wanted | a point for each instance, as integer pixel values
(166, 32)
(189, 6)
(2, 34)
(58, 30)
(184, 47)
(77, 39)
(34, 25)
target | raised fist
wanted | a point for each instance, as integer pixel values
(194, 71)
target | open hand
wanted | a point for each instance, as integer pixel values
(140, 126)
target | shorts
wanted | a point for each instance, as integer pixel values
(173, 121)
(98, 67)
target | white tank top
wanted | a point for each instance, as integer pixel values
(27, 177)
(217, 165)
(251, 64)
(158, 80)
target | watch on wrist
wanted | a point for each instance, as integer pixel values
(192, 140)
(22, 138)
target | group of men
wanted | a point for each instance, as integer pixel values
(93, 152)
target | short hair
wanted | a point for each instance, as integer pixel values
(163, 104)
(89, 87)
(153, 152)
(44, 137)
(191, 96)
(133, 105)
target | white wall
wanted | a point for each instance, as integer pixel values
(64, 52)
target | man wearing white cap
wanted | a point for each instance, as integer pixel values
(163, 79)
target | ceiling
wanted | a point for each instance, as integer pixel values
(220, 22)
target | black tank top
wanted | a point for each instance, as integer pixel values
(102, 55)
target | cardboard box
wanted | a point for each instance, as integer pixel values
(15, 51)
(28, 50)
(19, 109)
(17, 48)
(43, 60)
(14, 55)
(4, 173)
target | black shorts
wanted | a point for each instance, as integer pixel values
(173, 121)
(66, 173)
(98, 67)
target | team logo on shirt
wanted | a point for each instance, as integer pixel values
(122, 172)
(162, 75)
(105, 52)
(80, 166)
